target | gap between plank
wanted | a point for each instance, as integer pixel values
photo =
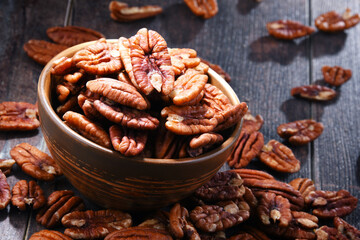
(26, 234)
(68, 14)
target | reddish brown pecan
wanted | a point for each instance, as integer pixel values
(203, 8)
(183, 59)
(180, 225)
(329, 233)
(72, 35)
(18, 116)
(346, 229)
(204, 142)
(119, 92)
(5, 194)
(253, 174)
(213, 236)
(217, 69)
(70, 105)
(251, 123)
(86, 102)
(27, 193)
(168, 144)
(87, 128)
(127, 141)
(57, 205)
(250, 233)
(288, 29)
(247, 147)
(62, 66)
(333, 22)
(75, 76)
(300, 132)
(314, 92)
(99, 58)
(49, 235)
(6, 165)
(139, 233)
(148, 62)
(125, 116)
(94, 224)
(42, 51)
(336, 76)
(221, 187)
(330, 204)
(213, 218)
(160, 220)
(34, 162)
(303, 185)
(274, 209)
(66, 90)
(279, 157)
(120, 11)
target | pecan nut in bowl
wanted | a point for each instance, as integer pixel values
(5, 194)
(27, 194)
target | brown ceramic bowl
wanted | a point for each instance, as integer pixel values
(113, 181)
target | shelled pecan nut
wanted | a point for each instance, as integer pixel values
(279, 157)
(34, 162)
(27, 194)
(119, 92)
(120, 11)
(288, 29)
(5, 194)
(85, 100)
(247, 147)
(252, 174)
(222, 186)
(203, 8)
(346, 229)
(42, 51)
(329, 233)
(303, 185)
(87, 128)
(94, 224)
(251, 123)
(139, 233)
(57, 205)
(314, 92)
(333, 22)
(127, 141)
(180, 225)
(49, 235)
(99, 58)
(300, 132)
(75, 76)
(250, 233)
(183, 59)
(18, 116)
(217, 69)
(159, 221)
(204, 142)
(336, 76)
(6, 165)
(330, 204)
(220, 235)
(62, 66)
(70, 105)
(72, 35)
(168, 144)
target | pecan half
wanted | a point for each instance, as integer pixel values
(250, 233)
(303, 185)
(300, 132)
(346, 229)
(120, 11)
(336, 76)
(180, 226)
(70, 105)
(27, 193)
(213, 236)
(127, 141)
(5, 194)
(253, 174)
(18, 116)
(288, 29)
(247, 147)
(183, 59)
(57, 205)
(6, 165)
(42, 51)
(86, 101)
(99, 58)
(274, 209)
(94, 224)
(330, 204)
(72, 35)
(49, 235)
(87, 128)
(329, 233)
(34, 162)
(213, 218)
(251, 123)
(279, 157)
(139, 233)
(204, 142)
(203, 8)
(62, 66)
(314, 92)
(148, 62)
(217, 69)
(168, 144)
(333, 22)
(221, 187)
(119, 92)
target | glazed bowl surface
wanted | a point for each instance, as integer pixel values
(129, 183)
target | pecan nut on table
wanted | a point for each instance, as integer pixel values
(26, 193)
(336, 76)
(334, 22)
(120, 11)
(288, 29)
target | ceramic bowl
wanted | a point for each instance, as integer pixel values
(114, 181)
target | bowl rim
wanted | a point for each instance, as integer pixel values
(45, 102)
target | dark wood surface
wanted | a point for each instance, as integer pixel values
(263, 71)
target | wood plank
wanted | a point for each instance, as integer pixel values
(21, 21)
(336, 152)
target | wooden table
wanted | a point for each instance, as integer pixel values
(263, 71)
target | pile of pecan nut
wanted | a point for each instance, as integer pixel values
(118, 94)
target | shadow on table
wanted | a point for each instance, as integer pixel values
(18, 134)
(245, 6)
